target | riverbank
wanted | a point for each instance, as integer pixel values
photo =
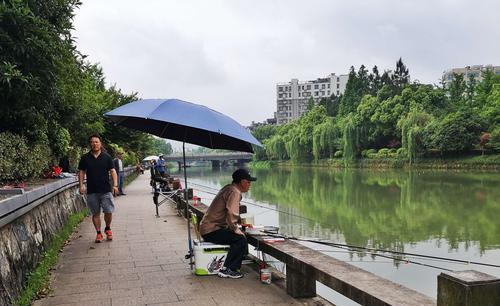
(484, 162)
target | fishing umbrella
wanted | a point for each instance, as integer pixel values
(187, 122)
(150, 158)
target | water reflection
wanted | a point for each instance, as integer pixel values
(445, 214)
(388, 209)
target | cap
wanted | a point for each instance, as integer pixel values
(242, 174)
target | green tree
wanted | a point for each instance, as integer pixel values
(400, 77)
(456, 132)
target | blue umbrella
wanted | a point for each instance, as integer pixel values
(187, 122)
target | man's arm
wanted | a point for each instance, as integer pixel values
(115, 180)
(81, 177)
(233, 211)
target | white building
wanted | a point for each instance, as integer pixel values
(469, 71)
(292, 97)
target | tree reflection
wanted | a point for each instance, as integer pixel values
(386, 209)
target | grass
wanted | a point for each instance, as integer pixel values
(39, 280)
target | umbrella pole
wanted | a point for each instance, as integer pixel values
(190, 254)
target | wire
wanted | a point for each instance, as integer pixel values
(371, 250)
(374, 251)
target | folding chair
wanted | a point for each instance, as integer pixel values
(163, 192)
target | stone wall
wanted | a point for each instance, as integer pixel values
(23, 241)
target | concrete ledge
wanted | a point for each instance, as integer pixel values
(9, 205)
(309, 265)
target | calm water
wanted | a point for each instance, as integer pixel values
(440, 213)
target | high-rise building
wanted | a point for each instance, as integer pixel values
(475, 71)
(293, 97)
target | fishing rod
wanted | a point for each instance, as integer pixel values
(372, 250)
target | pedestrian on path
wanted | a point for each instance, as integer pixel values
(118, 165)
(220, 223)
(97, 166)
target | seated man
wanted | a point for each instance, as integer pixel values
(220, 223)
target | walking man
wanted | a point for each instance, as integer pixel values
(220, 223)
(118, 165)
(97, 165)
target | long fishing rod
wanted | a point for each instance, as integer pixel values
(340, 245)
(374, 250)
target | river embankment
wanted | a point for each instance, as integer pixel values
(482, 162)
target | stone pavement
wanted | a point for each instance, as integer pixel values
(145, 265)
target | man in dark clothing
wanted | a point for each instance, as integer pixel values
(97, 166)
(118, 165)
(220, 223)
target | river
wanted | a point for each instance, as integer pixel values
(452, 214)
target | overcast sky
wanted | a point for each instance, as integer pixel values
(229, 55)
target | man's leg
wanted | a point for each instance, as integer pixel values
(238, 246)
(108, 208)
(120, 182)
(96, 219)
(95, 210)
(108, 217)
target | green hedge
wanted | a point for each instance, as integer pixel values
(20, 161)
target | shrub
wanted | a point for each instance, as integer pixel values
(370, 153)
(383, 153)
(401, 152)
(18, 161)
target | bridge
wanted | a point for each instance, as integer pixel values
(217, 159)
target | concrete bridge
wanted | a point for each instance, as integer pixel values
(217, 159)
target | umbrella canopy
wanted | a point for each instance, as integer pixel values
(150, 157)
(184, 121)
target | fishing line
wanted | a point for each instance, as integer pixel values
(371, 250)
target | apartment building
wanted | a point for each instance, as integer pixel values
(474, 71)
(292, 97)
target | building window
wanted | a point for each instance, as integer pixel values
(316, 86)
(338, 79)
(328, 85)
(322, 93)
(322, 86)
(338, 85)
(308, 87)
(338, 92)
(280, 88)
(328, 92)
(316, 93)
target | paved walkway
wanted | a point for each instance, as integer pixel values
(145, 265)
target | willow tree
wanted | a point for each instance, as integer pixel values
(350, 140)
(325, 138)
(411, 131)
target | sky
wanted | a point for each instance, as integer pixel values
(229, 55)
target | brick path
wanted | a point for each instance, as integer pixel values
(145, 265)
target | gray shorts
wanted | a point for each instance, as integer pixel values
(96, 201)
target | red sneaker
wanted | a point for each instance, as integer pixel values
(109, 234)
(98, 238)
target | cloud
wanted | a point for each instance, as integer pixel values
(229, 55)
